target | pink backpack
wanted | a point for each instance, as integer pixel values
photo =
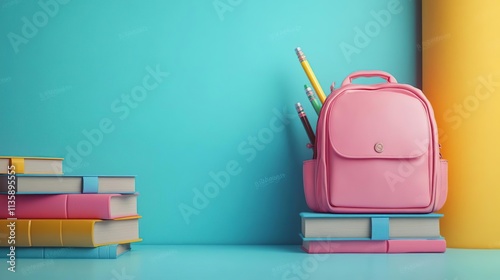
(377, 151)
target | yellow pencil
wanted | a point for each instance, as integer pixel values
(310, 75)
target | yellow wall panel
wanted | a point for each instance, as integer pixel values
(461, 77)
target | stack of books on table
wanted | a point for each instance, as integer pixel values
(371, 233)
(51, 215)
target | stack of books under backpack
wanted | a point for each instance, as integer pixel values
(45, 214)
(371, 233)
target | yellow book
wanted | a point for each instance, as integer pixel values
(68, 232)
(30, 165)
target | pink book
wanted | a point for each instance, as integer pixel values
(375, 246)
(69, 206)
(416, 246)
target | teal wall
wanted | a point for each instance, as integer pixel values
(187, 95)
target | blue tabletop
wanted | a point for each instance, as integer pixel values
(262, 262)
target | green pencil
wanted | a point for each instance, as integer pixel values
(314, 102)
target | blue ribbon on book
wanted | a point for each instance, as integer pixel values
(90, 184)
(380, 228)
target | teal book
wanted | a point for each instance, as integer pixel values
(104, 252)
(326, 226)
(65, 184)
